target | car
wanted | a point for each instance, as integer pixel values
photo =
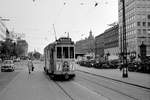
(17, 60)
(105, 66)
(98, 65)
(7, 65)
(92, 63)
(132, 67)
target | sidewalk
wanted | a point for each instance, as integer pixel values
(134, 78)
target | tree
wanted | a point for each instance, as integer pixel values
(36, 55)
(30, 55)
(7, 49)
(19, 50)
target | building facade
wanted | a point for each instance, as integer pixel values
(111, 42)
(2, 31)
(137, 16)
(99, 46)
(86, 46)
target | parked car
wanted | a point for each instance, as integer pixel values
(92, 63)
(98, 65)
(17, 60)
(105, 66)
(115, 64)
(144, 67)
(7, 65)
(132, 67)
(87, 63)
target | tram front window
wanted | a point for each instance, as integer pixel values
(71, 52)
(59, 49)
(65, 52)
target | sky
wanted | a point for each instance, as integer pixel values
(35, 19)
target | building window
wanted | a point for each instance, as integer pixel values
(148, 24)
(138, 24)
(148, 16)
(144, 23)
(139, 31)
(144, 31)
(148, 31)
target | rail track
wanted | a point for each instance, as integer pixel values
(147, 88)
(99, 84)
(67, 94)
(93, 81)
(115, 90)
(60, 87)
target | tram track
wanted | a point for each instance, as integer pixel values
(122, 88)
(56, 83)
(140, 86)
(115, 90)
(93, 82)
(64, 91)
(64, 87)
(88, 81)
(92, 95)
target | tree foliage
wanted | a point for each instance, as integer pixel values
(36, 55)
(19, 50)
(7, 48)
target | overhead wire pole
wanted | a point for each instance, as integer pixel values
(124, 45)
(54, 32)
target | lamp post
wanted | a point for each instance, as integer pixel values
(123, 42)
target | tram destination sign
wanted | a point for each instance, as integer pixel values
(65, 40)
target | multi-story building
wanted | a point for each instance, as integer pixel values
(137, 16)
(111, 42)
(22, 47)
(2, 31)
(99, 46)
(86, 46)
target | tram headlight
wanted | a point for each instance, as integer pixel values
(65, 64)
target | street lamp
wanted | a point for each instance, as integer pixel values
(123, 42)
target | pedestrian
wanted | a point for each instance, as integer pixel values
(30, 66)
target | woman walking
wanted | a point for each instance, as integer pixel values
(30, 66)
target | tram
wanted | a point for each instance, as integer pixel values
(59, 58)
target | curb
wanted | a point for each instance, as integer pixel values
(115, 80)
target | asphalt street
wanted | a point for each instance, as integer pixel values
(6, 78)
(39, 86)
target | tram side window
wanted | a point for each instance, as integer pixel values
(71, 52)
(59, 49)
(65, 52)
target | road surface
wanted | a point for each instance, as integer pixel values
(38, 86)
